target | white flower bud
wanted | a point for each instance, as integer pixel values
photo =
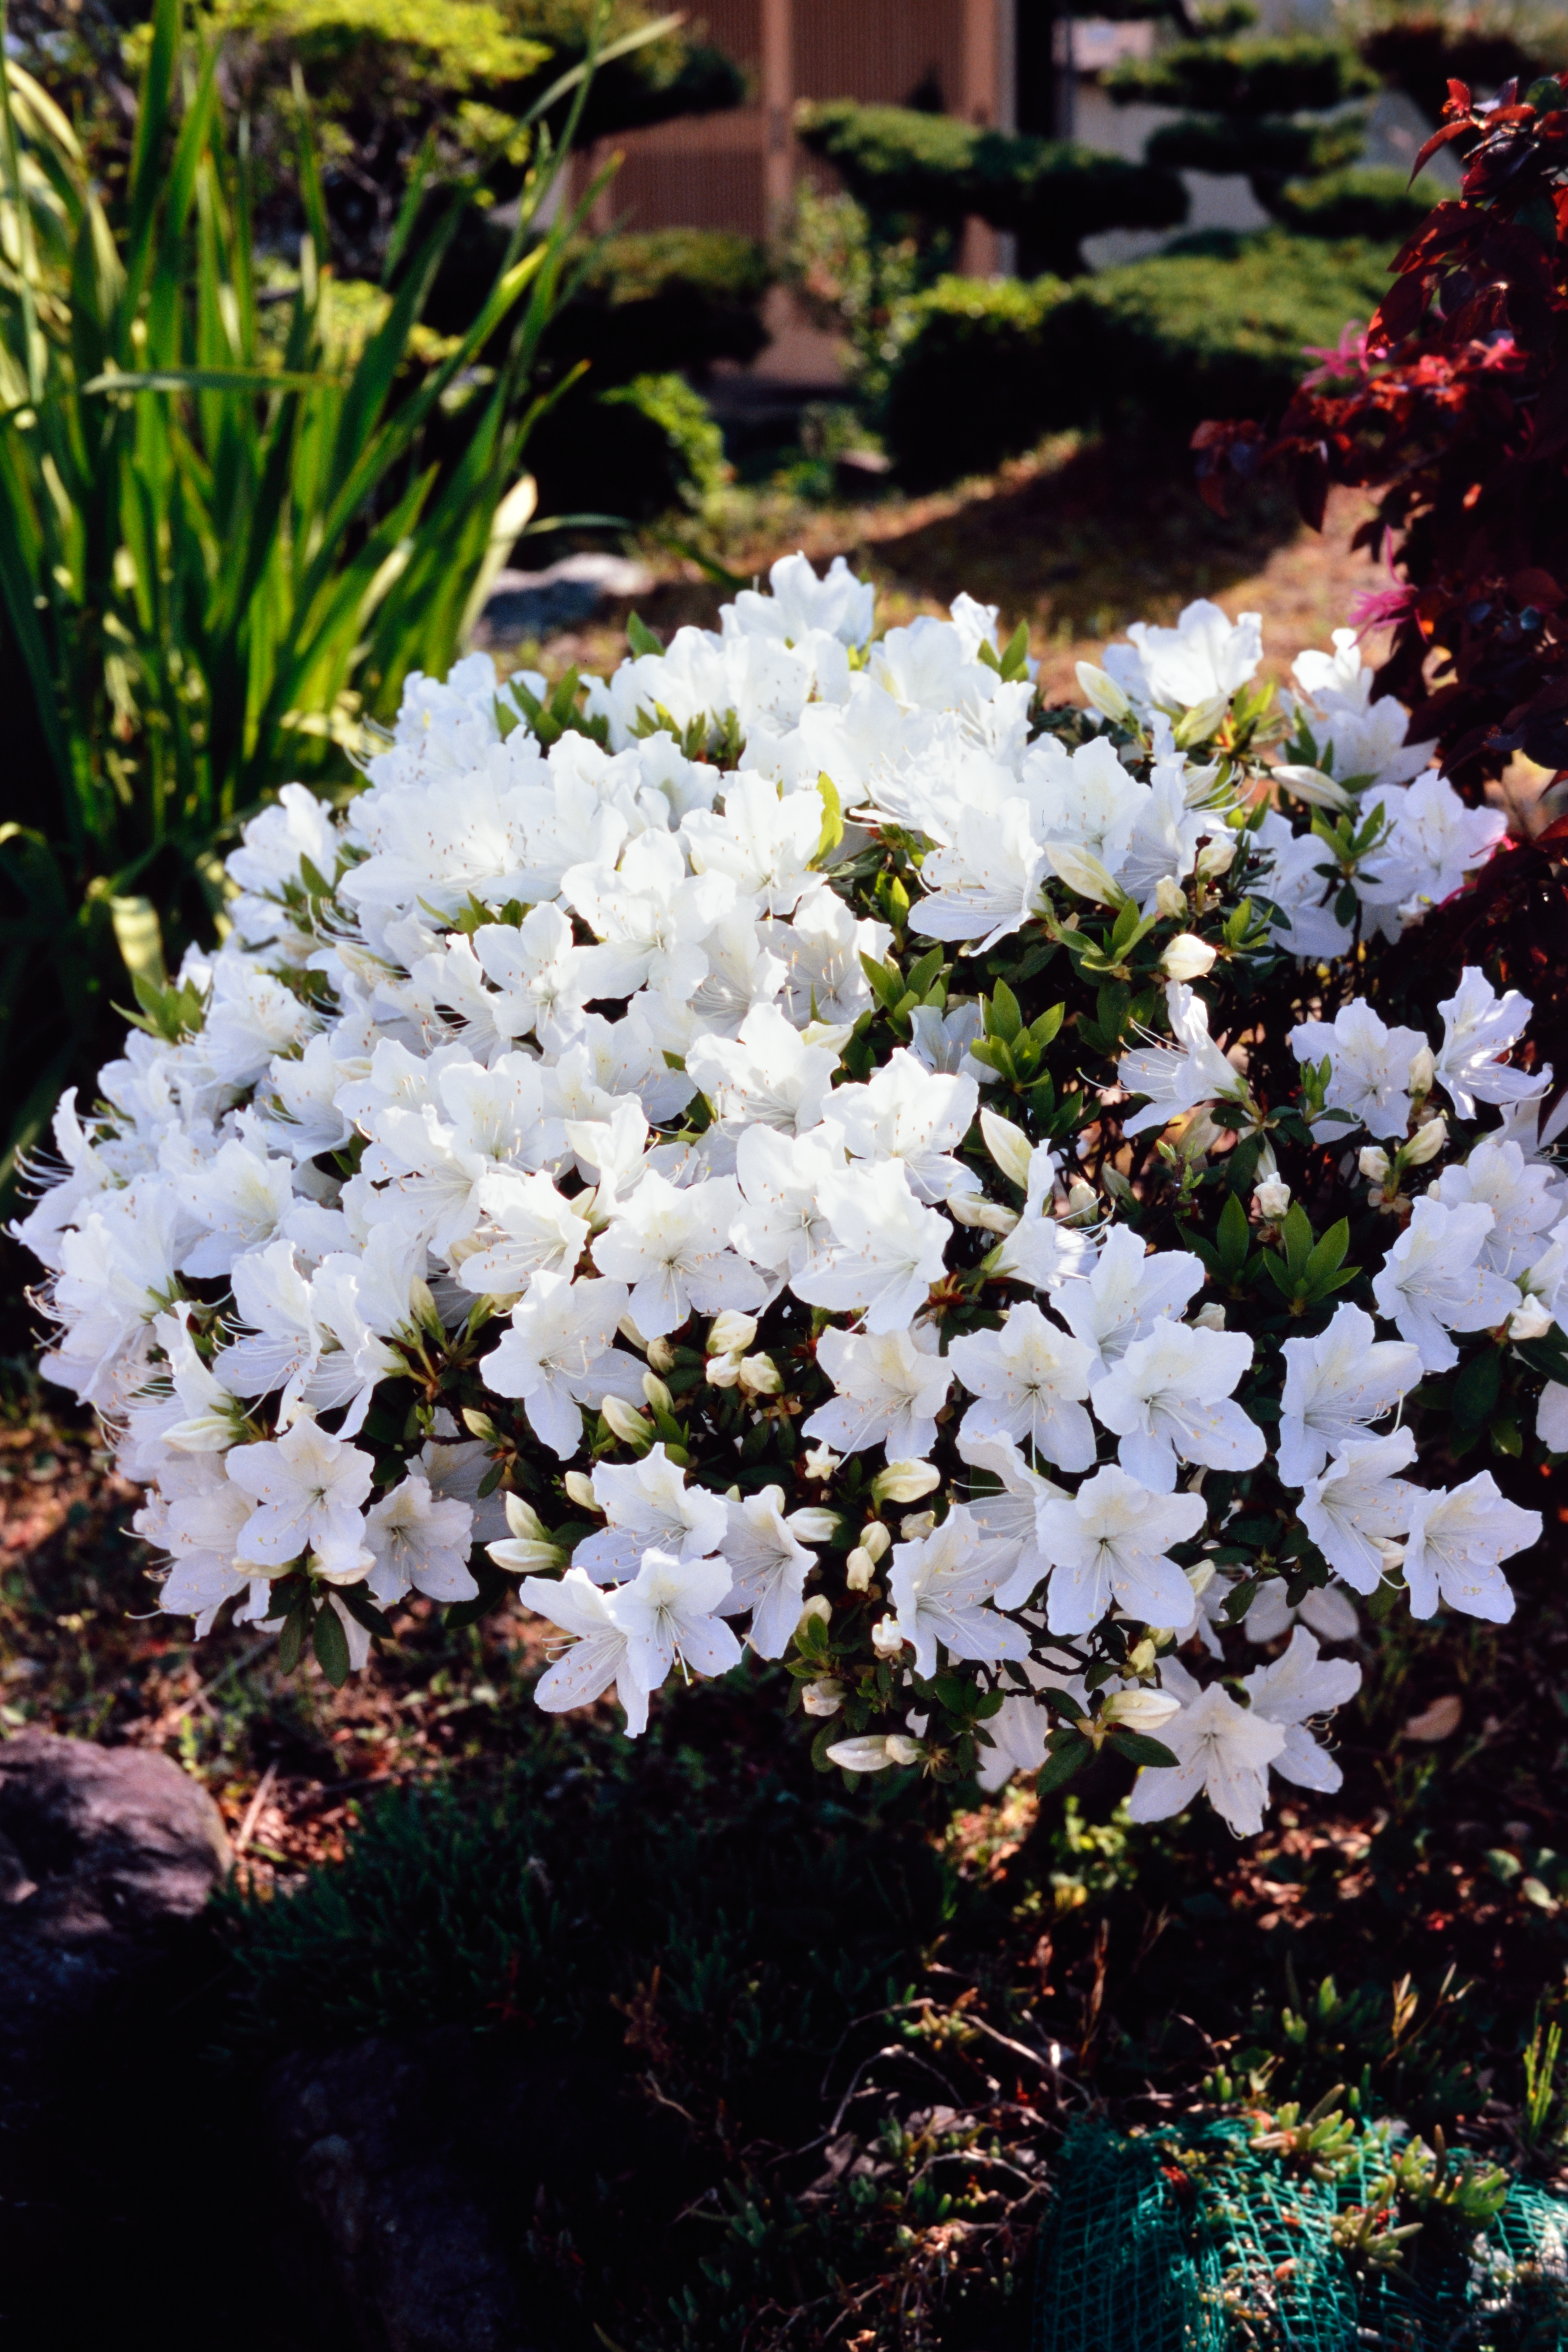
(657, 1395)
(422, 1307)
(1273, 1197)
(819, 1462)
(579, 1490)
(823, 1698)
(760, 1376)
(1083, 873)
(1531, 1321)
(1427, 1142)
(731, 1334)
(988, 1216)
(1311, 785)
(1170, 898)
(1141, 1657)
(915, 1526)
(901, 1749)
(1009, 1145)
(819, 1609)
(624, 1424)
(529, 1551)
(661, 1355)
(1201, 1576)
(1099, 687)
(875, 1539)
(1217, 857)
(1188, 957)
(885, 1638)
(722, 1371)
(904, 1482)
(1422, 1071)
(865, 1755)
(1392, 1553)
(1373, 1163)
(1082, 1200)
(1141, 1710)
(858, 1568)
(1210, 1318)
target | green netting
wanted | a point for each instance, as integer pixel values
(1184, 2240)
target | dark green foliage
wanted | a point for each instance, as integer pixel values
(775, 1911)
(1421, 53)
(671, 298)
(979, 378)
(1265, 147)
(1377, 204)
(634, 450)
(895, 161)
(989, 369)
(1252, 75)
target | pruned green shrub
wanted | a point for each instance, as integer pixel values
(635, 450)
(895, 160)
(671, 299)
(1364, 202)
(1251, 74)
(987, 368)
(1266, 147)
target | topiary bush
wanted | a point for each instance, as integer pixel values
(1052, 194)
(985, 369)
(634, 449)
(664, 301)
(1381, 206)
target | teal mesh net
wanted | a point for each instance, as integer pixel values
(1185, 2240)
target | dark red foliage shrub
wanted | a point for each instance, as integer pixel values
(1453, 408)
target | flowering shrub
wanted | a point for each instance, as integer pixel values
(799, 1142)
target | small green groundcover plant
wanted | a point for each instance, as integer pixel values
(799, 1143)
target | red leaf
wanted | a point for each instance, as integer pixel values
(1440, 137)
(1459, 95)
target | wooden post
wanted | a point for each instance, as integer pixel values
(979, 105)
(778, 110)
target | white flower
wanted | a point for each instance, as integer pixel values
(890, 1390)
(765, 1552)
(559, 1355)
(914, 1115)
(781, 1224)
(1551, 1417)
(1205, 657)
(769, 1074)
(540, 1230)
(939, 1586)
(1169, 1398)
(1478, 1028)
(1370, 1077)
(673, 1248)
(649, 1506)
(1358, 1501)
(1126, 1293)
(986, 881)
(1524, 1198)
(307, 1487)
(418, 1540)
(1008, 1518)
(1327, 1609)
(1433, 1282)
(1294, 1687)
(599, 1651)
(1336, 1387)
(651, 916)
(1108, 1548)
(1434, 843)
(1272, 1198)
(1179, 1076)
(238, 1199)
(1222, 1749)
(1457, 1539)
(885, 1252)
(764, 841)
(837, 603)
(1030, 1378)
(666, 1614)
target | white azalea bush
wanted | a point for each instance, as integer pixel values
(799, 1146)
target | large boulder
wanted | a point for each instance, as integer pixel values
(102, 1840)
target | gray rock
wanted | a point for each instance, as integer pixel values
(95, 1840)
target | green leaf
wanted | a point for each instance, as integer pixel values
(330, 1644)
(1070, 1752)
(1014, 663)
(1328, 1257)
(1296, 1235)
(1476, 1389)
(640, 637)
(1234, 1236)
(832, 831)
(1003, 1018)
(1139, 1748)
(291, 1640)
